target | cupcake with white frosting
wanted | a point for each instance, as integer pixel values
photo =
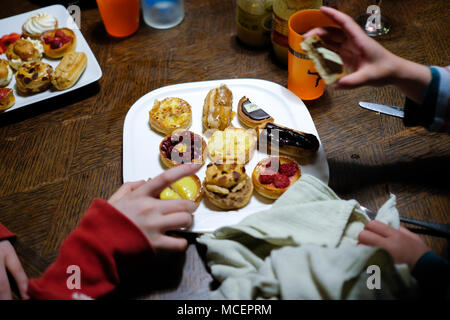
(38, 24)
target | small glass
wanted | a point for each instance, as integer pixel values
(120, 17)
(162, 14)
(373, 22)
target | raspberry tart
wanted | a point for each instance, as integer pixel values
(274, 175)
(182, 146)
(58, 43)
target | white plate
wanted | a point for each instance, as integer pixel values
(140, 143)
(92, 73)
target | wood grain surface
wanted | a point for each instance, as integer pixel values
(56, 156)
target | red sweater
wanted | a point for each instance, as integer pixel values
(89, 263)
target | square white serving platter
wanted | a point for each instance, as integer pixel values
(141, 143)
(92, 73)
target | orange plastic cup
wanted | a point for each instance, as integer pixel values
(120, 17)
(303, 78)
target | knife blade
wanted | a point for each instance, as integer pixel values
(383, 108)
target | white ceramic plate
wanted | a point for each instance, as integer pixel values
(92, 73)
(141, 143)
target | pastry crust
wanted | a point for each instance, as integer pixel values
(192, 144)
(7, 98)
(5, 73)
(170, 114)
(196, 198)
(217, 109)
(248, 121)
(37, 24)
(56, 53)
(34, 77)
(24, 51)
(269, 190)
(69, 70)
(232, 145)
(227, 186)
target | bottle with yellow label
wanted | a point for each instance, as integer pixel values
(282, 11)
(253, 22)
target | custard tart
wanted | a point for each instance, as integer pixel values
(170, 114)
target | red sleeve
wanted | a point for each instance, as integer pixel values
(5, 233)
(97, 247)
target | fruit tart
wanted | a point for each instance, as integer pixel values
(58, 43)
(274, 175)
(182, 146)
(189, 188)
(7, 98)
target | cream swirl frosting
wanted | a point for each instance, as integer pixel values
(39, 23)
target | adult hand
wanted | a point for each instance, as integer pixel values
(140, 202)
(403, 245)
(10, 262)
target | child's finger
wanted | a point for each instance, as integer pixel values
(352, 80)
(379, 228)
(175, 221)
(5, 289)
(370, 238)
(176, 205)
(125, 189)
(344, 21)
(158, 184)
(14, 266)
(168, 243)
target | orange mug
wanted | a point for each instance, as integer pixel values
(120, 17)
(303, 78)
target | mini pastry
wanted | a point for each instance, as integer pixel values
(69, 70)
(5, 73)
(170, 114)
(274, 175)
(233, 145)
(189, 188)
(328, 63)
(227, 186)
(39, 23)
(7, 98)
(182, 146)
(287, 141)
(58, 42)
(217, 109)
(24, 51)
(7, 40)
(34, 77)
(251, 115)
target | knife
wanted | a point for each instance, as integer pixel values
(382, 108)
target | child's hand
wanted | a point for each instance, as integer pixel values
(369, 62)
(403, 245)
(140, 202)
(10, 262)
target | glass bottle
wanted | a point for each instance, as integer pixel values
(253, 22)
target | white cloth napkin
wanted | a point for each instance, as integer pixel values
(304, 247)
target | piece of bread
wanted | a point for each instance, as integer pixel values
(189, 188)
(328, 63)
(24, 51)
(39, 23)
(182, 146)
(278, 174)
(227, 186)
(217, 109)
(170, 114)
(34, 77)
(7, 98)
(251, 115)
(69, 70)
(6, 73)
(232, 145)
(58, 43)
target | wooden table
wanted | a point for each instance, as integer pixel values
(57, 155)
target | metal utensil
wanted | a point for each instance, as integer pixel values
(440, 228)
(383, 108)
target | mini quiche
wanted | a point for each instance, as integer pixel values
(232, 145)
(189, 188)
(170, 114)
(274, 175)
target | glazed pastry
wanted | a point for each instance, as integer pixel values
(273, 176)
(5, 73)
(69, 70)
(233, 145)
(39, 23)
(189, 188)
(217, 109)
(182, 146)
(227, 186)
(251, 115)
(58, 42)
(24, 51)
(287, 141)
(170, 114)
(7, 98)
(328, 63)
(34, 77)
